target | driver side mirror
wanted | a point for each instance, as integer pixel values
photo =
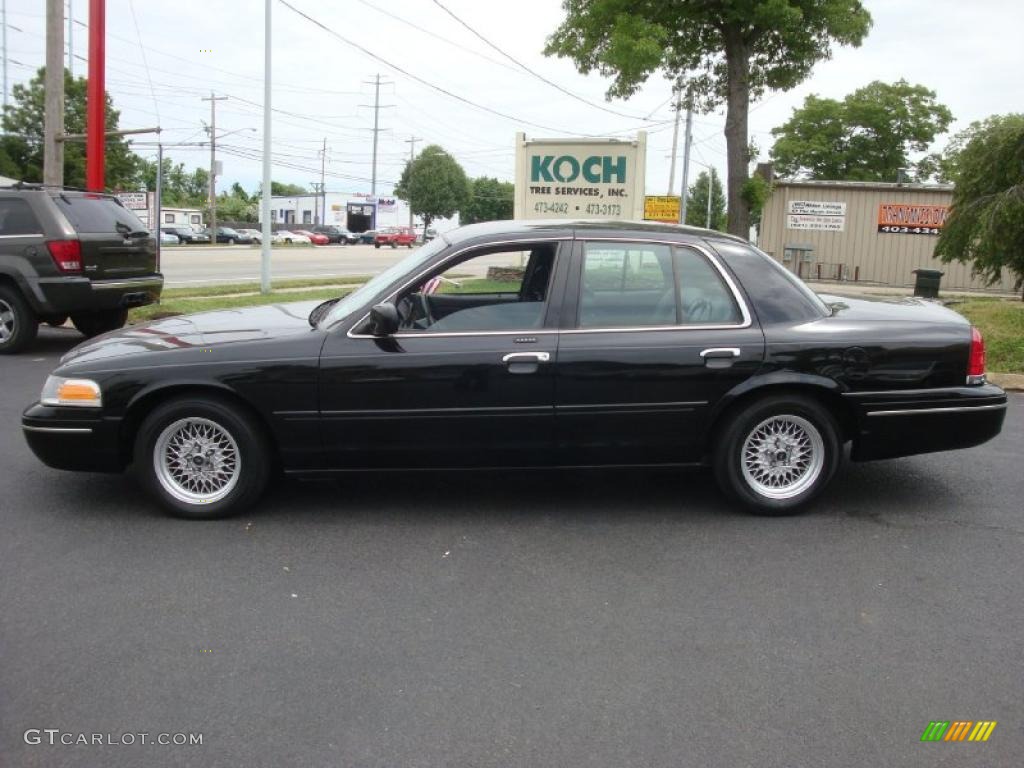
(383, 319)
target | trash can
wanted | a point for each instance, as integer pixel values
(927, 282)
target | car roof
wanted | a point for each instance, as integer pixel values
(581, 227)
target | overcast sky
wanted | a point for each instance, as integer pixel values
(969, 53)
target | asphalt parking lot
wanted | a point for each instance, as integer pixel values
(521, 619)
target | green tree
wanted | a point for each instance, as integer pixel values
(434, 185)
(232, 207)
(697, 204)
(868, 136)
(280, 189)
(21, 152)
(489, 200)
(946, 166)
(986, 222)
(727, 50)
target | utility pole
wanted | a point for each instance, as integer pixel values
(266, 227)
(412, 154)
(711, 189)
(376, 82)
(323, 188)
(3, 23)
(53, 116)
(96, 97)
(158, 197)
(316, 202)
(686, 155)
(213, 163)
(71, 41)
(678, 88)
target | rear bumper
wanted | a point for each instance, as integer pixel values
(73, 439)
(892, 424)
(64, 295)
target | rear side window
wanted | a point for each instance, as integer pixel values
(704, 297)
(627, 285)
(98, 214)
(16, 218)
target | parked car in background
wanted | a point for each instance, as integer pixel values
(367, 237)
(70, 254)
(337, 234)
(166, 238)
(395, 236)
(290, 238)
(610, 344)
(229, 236)
(314, 237)
(254, 235)
(187, 234)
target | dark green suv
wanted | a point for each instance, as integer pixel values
(66, 254)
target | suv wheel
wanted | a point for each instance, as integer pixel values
(94, 323)
(18, 323)
(201, 457)
(777, 454)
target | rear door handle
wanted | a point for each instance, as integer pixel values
(719, 357)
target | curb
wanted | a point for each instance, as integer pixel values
(1011, 382)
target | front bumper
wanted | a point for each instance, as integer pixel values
(892, 424)
(73, 438)
(65, 295)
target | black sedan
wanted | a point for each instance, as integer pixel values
(532, 344)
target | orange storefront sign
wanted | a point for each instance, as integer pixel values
(904, 219)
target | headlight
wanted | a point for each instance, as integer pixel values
(82, 393)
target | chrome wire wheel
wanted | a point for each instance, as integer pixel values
(196, 461)
(782, 456)
(7, 321)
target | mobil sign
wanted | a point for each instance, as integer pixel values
(580, 178)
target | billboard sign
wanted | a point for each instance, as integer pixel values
(135, 201)
(580, 178)
(904, 219)
(662, 208)
(821, 215)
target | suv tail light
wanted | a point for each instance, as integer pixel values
(66, 254)
(976, 358)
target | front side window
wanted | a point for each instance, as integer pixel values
(638, 285)
(489, 290)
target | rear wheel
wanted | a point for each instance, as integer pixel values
(18, 323)
(231, 241)
(94, 323)
(202, 458)
(776, 454)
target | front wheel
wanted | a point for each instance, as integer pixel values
(202, 458)
(231, 241)
(94, 323)
(778, 453)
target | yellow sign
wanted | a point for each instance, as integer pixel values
(661, 208)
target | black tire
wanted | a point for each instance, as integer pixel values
(253, 457)
(376, 245)
(812, 429)
(231, 241)
(94, 323)
(19, 325)
(394, 244)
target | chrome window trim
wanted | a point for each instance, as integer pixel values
(420, 274)
(27, 234)
(59, 430)
(740, 302)
(951, 409)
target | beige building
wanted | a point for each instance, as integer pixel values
(869, 232)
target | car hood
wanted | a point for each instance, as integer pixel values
(203, 330)
(895, 308)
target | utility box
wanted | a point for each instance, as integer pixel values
(580, 178)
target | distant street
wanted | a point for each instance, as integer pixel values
(185, 266)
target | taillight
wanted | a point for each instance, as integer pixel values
(976, 358)
(66, 254)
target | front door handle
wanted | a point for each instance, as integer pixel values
(719, 357)
(527, 357)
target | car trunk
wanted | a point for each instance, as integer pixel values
(115, 243)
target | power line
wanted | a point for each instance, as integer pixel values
(422, 81)
(537, 75)
(145, 64)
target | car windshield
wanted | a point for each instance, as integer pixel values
(358, 297)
